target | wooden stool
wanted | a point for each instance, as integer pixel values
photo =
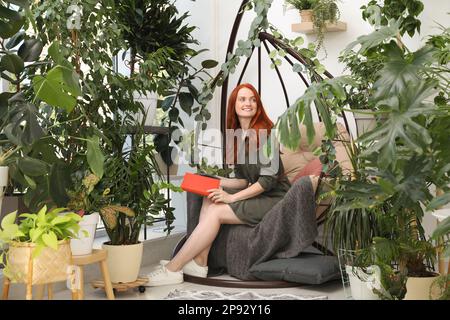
(97, 255)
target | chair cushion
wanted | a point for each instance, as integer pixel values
(313, 168)
(294, 162)
(307, 268)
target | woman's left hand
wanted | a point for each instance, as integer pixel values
(220, 196)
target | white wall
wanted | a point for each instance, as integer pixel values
(215, 18)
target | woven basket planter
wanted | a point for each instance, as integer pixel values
(49, 266)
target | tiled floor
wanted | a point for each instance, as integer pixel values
(333, 290)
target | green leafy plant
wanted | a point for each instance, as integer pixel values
(324, 11)
(403, 156)
(379, 12)
(301, 4)
(205, 168)
(33, 82)
(87, 196)
(44, 228)
(134, 180)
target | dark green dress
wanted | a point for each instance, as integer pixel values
(275, 185)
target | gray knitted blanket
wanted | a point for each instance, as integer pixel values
(285, 231)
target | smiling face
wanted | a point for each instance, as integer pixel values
(246, 105)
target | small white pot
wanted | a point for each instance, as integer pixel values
(4, 176)
(124, 262)
(364, 122)
(149, 101)
(83, 245)
(362, 290)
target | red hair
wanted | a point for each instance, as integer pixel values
(259, 121)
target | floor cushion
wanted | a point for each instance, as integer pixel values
(308, 268)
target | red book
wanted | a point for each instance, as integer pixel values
(199, 184)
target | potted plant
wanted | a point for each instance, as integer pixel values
(351, 226)
(402, 156)
(37, 246)
(364, 72)
(304, 7)
(86, 200)
(405, 155)
(320, 13)
(136, 200)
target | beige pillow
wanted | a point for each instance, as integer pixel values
(294, 162)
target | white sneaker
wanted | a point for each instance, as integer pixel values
(162, 276)
(191, 268)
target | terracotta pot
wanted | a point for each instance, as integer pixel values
(306, 15)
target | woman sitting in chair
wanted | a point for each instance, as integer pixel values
(258, 186)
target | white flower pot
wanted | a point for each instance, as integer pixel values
(363, 290)
(149, 101)
(83, 245)
(364, 122)
(420, 288)
(124, 262)
(4, 176)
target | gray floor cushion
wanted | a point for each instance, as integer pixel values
(308, 268)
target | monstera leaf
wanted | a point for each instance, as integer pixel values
(401, 125)
(23, 127)
(399, 71)
(376, 38)
(288, 130)
(59, 88)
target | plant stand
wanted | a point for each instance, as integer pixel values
(97, 256)
(50, 266)
(308, 27)
(120, 287)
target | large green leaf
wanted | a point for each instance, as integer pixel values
(12, 63)
(401, 125)
(209, 64)
(4, 97)
(186, 102)
(55, 53)
(288, 123)
(443, 229)
(10, 22)
(376, 38)
(439, 201)
(95, 156)
(59, 88)
(30, 50)
(23, 127)
(59, 182)
(33, 167)
(399, 71)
